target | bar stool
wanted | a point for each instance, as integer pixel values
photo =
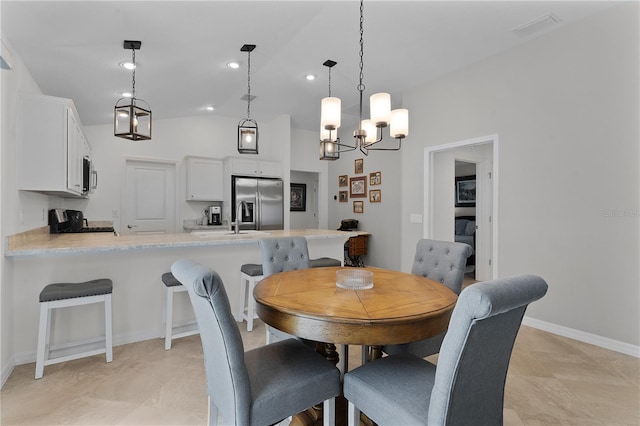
(250, 275)
(172, 286)
(62, 295)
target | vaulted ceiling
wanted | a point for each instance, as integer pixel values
(73, 49)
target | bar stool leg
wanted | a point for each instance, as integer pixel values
(251, 304)
(169, 321)
(108, 327)
(243, 295)
(43, 331)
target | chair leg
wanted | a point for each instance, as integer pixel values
(353, 415)
(108, 328)
(329, 412)
(169, 321)
(43, 331)
(268, 335)
(243, 294)
(212, 413)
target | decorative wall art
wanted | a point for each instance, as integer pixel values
(375, 178)
(466, 191)
(358, 206)
(343, 196)
(343, 180)
(375, 196)
(298, 200)
(358, 166)
(358, 187)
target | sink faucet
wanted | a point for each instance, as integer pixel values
(238, 214)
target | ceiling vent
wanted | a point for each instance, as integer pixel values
(537, 25)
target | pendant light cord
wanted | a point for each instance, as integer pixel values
(249, 84)
(361, 85)
(133, 82)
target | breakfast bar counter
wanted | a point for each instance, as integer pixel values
(135, 264)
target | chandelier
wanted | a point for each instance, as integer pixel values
(248, 128)
(130, 120)
(369, 131)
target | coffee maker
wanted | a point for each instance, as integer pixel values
(214, 215)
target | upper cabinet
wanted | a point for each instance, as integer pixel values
(254, 167)
(52, 146)
(204, 179)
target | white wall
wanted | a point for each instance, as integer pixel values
(380, 220)
(565, 107)
(20, 211)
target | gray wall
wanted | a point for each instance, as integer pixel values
(565, 107)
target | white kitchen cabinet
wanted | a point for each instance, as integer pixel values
(204, 179)
(253, 167)
(52, 146)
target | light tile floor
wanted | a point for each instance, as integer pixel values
(552, 381)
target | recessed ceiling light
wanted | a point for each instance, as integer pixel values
(126, 94)
(209, 108)
(128, 65)
(310, 77)
(234, 65)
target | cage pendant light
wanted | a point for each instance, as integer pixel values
(247, 127)
(130, 120)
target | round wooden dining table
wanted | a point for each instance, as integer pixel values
(400, 307)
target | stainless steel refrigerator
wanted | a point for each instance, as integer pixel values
(261, 202)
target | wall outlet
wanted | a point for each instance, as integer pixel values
(415, 218)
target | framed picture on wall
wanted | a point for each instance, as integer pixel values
(358, 166)
(298, 197)
(375, 178)
(343, 196)
(466, 191)
(358, 206)
(343, 180)
(375, 196)
(358, 187)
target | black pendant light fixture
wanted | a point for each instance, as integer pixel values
(130, 120)
(247, 127)
(369, 131)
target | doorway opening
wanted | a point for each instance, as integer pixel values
(451, 171)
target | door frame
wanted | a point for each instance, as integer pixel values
(428, 207)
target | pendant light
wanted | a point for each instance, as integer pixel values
(369, 131)
(130, 120)
(248, 128)
(329, 122)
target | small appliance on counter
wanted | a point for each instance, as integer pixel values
(72, 221)
(214, 215)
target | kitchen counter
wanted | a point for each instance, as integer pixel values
(135, 264)
(40, 242)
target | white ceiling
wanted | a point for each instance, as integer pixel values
(73, 49)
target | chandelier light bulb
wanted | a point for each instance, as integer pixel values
(399, 128)
(370, 129)
(380, 105)
(330, 113)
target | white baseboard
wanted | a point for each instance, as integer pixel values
(593, 339)
(7, 370)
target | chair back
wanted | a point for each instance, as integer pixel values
(475, 353)
(442, 261)
(228, 382)
(283, 254)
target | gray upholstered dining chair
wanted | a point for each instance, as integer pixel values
(262, 386)
(441, 261)
(280, 255)
(467, 385)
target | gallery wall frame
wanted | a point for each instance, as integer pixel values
(358, 187)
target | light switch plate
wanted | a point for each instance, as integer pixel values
(415, 218)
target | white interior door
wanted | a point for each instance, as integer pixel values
(149, 197)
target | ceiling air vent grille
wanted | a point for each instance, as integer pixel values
(537, 25)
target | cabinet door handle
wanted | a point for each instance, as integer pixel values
(132, 226)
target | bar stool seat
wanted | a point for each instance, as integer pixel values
(323, 262)
(250, 275)
(172, 286)
(62, 295)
